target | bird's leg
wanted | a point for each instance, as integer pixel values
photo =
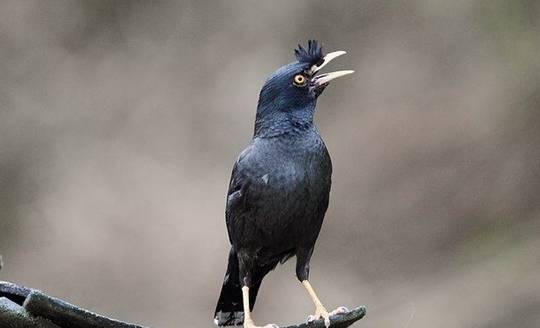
(248, 321)
(302, 273)
(320, 310)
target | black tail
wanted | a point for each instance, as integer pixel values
(230, 308)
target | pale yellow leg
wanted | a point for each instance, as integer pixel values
(248, 321)
(320, 310)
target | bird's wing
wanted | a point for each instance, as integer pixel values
(236, 206)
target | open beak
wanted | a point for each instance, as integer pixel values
(322, 80)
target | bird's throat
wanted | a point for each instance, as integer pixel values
(284, 123)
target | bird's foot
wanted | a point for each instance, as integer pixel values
(251, 324)
(320, 312)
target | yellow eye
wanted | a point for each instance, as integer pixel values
(299, 80)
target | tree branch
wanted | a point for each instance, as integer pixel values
(336, 321)
(22, 307)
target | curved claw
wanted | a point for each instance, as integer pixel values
(339, 310)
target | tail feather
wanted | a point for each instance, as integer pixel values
(230, 308)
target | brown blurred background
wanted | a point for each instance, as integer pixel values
(120, 121)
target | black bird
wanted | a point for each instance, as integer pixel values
(279, 188)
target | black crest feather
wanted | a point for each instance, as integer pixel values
(313, 55)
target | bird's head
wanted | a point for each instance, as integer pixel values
(295, 87)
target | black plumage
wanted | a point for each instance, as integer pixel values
(280, 184)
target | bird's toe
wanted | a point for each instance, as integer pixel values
(326, 319)
(322, 315)
(311, 318)
(339, 310)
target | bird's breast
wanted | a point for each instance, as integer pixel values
(295, 172)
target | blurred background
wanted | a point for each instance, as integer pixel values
(120, 122)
